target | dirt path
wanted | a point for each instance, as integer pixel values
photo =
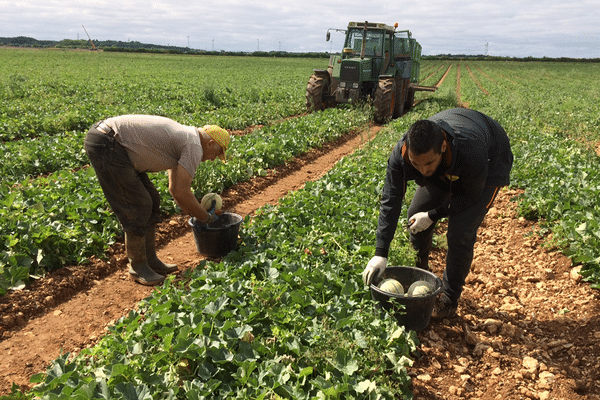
(527, 327)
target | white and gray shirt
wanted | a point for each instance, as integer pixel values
(157, 143)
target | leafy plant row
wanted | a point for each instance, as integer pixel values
(31, 157)
(551, 121)
(63, 218)
(284, 316)
(434, 73)
(47, 93)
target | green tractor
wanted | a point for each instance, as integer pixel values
(377, 63)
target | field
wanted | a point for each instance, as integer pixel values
(286, 316)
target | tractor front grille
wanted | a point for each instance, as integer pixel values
(350, 72)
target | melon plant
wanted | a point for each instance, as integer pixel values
(271, 320)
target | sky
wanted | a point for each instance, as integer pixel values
(507, 28)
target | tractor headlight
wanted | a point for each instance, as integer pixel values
(342, 84)
(355, 85)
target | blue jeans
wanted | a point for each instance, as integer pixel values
(131, 195)
(461, 235)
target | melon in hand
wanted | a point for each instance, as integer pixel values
(207, 201)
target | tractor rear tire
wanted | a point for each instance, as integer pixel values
(316, 90)
(385, 100)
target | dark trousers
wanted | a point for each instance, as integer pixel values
(131, 195)
(461, 235)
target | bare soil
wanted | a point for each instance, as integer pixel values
(526, 327)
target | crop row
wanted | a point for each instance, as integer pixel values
(52, 92)
(433, 73)
(552, 122)
(62, 218)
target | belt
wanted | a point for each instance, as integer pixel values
(102, 127)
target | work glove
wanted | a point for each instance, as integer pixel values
(374, 269)
(212, 215)
(419, 222)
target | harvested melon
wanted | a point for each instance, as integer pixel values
(391, 286)
(420, 288)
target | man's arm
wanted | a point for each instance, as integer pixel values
(391, 203)
(180, 187)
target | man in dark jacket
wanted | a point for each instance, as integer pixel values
(459, 159)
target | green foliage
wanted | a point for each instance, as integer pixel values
(41, 155)
(47, 93)
(54, 212)
(284, 316)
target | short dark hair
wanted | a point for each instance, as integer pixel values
(424, 135)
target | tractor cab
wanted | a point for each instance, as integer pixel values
(365, 56)
(372, 40)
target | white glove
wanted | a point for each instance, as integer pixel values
(374, 268)
(419, 222)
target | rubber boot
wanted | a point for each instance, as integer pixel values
(153, 261)
(139, 269)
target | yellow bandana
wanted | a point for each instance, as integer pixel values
(220, 135)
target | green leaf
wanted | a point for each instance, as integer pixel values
(129, 391)
(345, 362)
(365, 386)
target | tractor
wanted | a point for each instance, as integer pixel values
(377, 64)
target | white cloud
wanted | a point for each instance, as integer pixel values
(550, 28)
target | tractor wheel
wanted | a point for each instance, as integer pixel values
(385, 100)
(316, 90)
(401, 88)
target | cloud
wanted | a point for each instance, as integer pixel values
(511, 27)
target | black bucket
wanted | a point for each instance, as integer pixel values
(219, 237)
(417, 309)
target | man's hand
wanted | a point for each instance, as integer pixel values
(419, 222)
(212, 216)
(374, 268)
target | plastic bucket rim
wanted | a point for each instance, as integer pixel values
(239, 221)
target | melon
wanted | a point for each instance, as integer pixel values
(420, 288)
(207, 201)
(391, 286)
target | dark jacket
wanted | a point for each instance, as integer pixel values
(479, 155)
